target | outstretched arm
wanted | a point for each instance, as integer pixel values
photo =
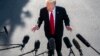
(39, 22)
(40, 19)
(66, 20)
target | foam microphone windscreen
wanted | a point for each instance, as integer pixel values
(51, 43)
(37, 44)
(26, 39)
(5, 30)
(67, 42)
(75, 42)
(80, 37)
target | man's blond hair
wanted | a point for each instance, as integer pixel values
(51, 1)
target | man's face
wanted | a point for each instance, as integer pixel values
(50, 6)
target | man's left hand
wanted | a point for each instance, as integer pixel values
(68, 28)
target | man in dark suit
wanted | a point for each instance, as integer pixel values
(53, 17)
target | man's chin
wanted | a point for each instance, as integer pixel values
(49, 9)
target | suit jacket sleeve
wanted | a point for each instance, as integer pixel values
(66, 18)
(40, 19)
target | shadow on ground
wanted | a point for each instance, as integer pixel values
(10, 14)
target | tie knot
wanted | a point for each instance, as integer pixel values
(51, 13)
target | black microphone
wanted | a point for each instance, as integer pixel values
(37, 44)
(76, 44)
(80, 37)
(6, 31)
(51, 43)
(67, 42)
(69, 45)
(51, 46)
(25, 41)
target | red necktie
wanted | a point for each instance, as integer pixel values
(52, 23)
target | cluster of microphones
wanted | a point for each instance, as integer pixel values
(77, 45)
(52, 45)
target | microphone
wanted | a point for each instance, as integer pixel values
(37, 44)
(68, 44)
(51, 46)
(25, 41)
(80, 37)
(5, 30)
(51, 43)
(76, 44)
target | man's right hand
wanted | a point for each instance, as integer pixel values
(35, 28)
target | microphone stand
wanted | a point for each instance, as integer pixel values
(80, 51)
(95, 50)
(36, 52)
(30, 52)
(42, 53)
(71, 52)
(9, 44)
(19, 45)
